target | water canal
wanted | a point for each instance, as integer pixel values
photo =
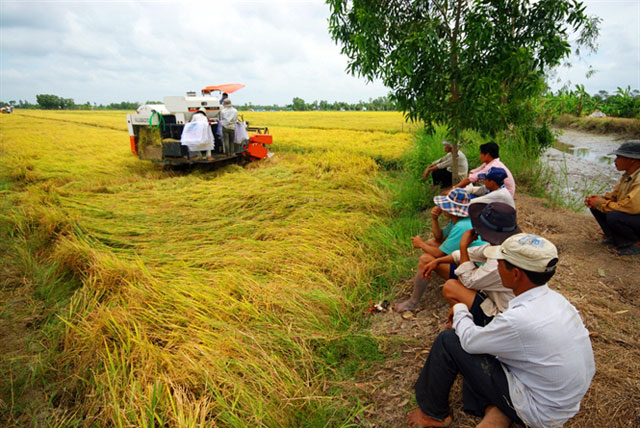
(579, 164)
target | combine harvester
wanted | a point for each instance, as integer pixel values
(155, 130)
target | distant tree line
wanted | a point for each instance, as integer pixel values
(298, 104)
(378, 104)
(623, 103)
(54, 102)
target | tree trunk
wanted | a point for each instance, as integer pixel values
(455, 92)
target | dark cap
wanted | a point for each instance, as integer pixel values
(629, 149)
(494, 222)
(494, 174)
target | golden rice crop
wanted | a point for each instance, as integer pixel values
(374, 144)
(204, 296)
(105, 119)
(388, 121)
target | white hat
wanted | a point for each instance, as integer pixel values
(446, 143)
(526, 251)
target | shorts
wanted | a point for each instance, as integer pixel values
(479, 317)
(452, 269)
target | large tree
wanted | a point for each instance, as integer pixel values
(466, 63)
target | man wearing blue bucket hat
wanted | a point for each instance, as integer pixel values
(618, 212)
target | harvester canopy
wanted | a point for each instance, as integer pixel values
(225, 87)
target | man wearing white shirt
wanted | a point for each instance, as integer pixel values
(228, 119)
(494, 183)
(441, 168)
(532, 364)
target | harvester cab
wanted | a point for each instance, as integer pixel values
(155, 130)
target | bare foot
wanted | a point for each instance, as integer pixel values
(494, 418)
(407, 305)
(417, 418)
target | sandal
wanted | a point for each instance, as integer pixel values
(629, 251)
(608, 242)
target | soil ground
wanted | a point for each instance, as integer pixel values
(604, 287)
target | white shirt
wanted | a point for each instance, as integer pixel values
(544, 349)
(500, 195)
(509, 182)
(447, 161)
(485, 278)
(228, 117)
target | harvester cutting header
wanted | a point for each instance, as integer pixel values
(195, 129)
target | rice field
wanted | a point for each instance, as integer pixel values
(227, 296)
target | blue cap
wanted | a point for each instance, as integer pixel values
(494, 174)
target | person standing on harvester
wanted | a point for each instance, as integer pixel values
(228, 119)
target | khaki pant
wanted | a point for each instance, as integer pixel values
(227, 141)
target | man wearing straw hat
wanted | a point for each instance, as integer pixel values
(478, 283)
(440, 169)
(531, 365)
(618, 212)
(445, 240)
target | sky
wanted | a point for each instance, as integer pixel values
(108, 51)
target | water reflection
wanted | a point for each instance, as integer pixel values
(584, 153)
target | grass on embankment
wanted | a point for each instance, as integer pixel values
(225, 297)
(602, 125)
(519, 152)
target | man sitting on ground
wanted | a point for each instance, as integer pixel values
(618, 212)
(440, 170)
(445, 241)
(494, 182)
(478, 283)
(490, 157)
(532, 364)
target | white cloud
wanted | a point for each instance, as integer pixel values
(112, 51)
(617, 61)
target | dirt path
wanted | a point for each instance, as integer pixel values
(606, 290)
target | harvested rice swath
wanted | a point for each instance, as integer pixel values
(206, 293)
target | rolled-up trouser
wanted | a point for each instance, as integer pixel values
(623, 228)
(484, 382)
(227, 141)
